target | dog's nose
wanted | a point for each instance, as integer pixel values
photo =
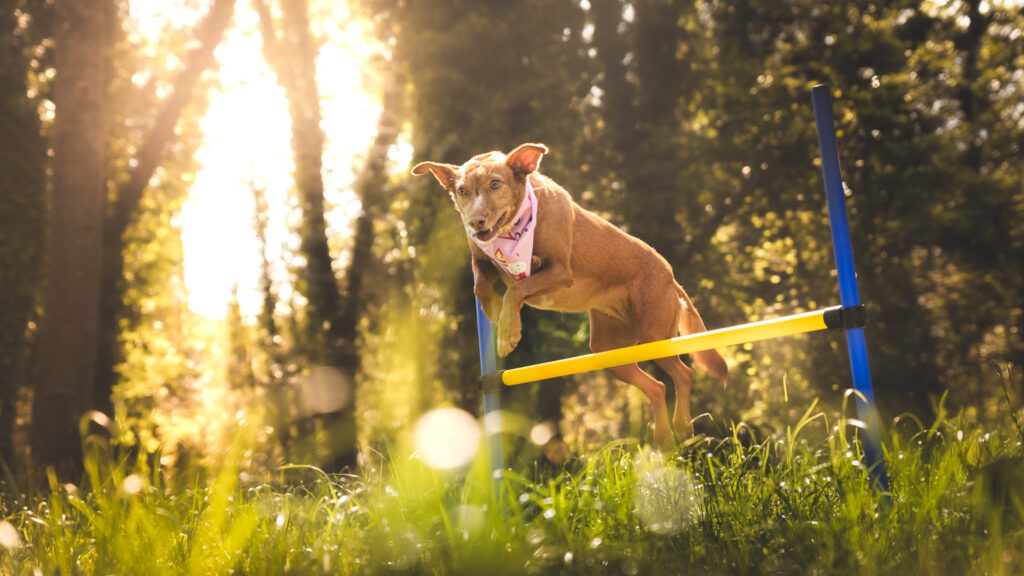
(477, 222)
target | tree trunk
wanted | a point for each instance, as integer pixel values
(371, 190)
(66, 359)
(619, 93)
(973, 105)
(292, 55)
(653, 178)
(22, 220)
(332, 316)
(293, 58)
(641, 116)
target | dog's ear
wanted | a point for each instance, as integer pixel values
(526, 158)
(445, 173)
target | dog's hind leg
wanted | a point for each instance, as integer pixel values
(657, 318)
(682, 376)
(607, 333)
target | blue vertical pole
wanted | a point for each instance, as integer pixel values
(492, 399)
(848, 293)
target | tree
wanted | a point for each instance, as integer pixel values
(22, 211)
(641, 101)
(131, 189)
(68, 334)
(83, 290)
(291, 54)
(329, 334)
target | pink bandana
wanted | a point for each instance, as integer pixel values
(512, 247)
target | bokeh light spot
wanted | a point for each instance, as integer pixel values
(325, 390)
(468, 519)
(132, 484)
(446, 438)
(665, 498)
(542, 433)
(9, 537)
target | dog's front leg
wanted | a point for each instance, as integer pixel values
(553, 277)
(510, 327)
(485, 275)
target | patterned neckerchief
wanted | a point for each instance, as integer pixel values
(512, 247)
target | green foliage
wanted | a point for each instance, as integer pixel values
(690, 124)
(155, 382)
(795, 503)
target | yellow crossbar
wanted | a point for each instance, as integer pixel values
(753, 332)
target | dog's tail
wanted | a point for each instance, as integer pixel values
(691, 323)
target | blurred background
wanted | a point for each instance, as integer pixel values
(208, 229)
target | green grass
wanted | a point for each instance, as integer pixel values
(800, 503)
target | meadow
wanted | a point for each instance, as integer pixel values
(799, 502)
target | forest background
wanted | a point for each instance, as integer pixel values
(349, 309)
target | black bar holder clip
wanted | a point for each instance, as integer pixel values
(845, 318)
(492, 383)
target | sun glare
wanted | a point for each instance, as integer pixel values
(246, 144)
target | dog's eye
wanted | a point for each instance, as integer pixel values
(460, 191)
(495, 184)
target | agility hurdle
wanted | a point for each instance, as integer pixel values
(850, 316)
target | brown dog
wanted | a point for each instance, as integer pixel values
(580, 262)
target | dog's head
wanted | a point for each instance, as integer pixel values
(488, 189)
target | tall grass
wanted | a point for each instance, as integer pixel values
(798, 503)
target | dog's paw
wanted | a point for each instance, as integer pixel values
(509, 334)
(510, 328)
(507, 343)
(664, 441)
(504, 349)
